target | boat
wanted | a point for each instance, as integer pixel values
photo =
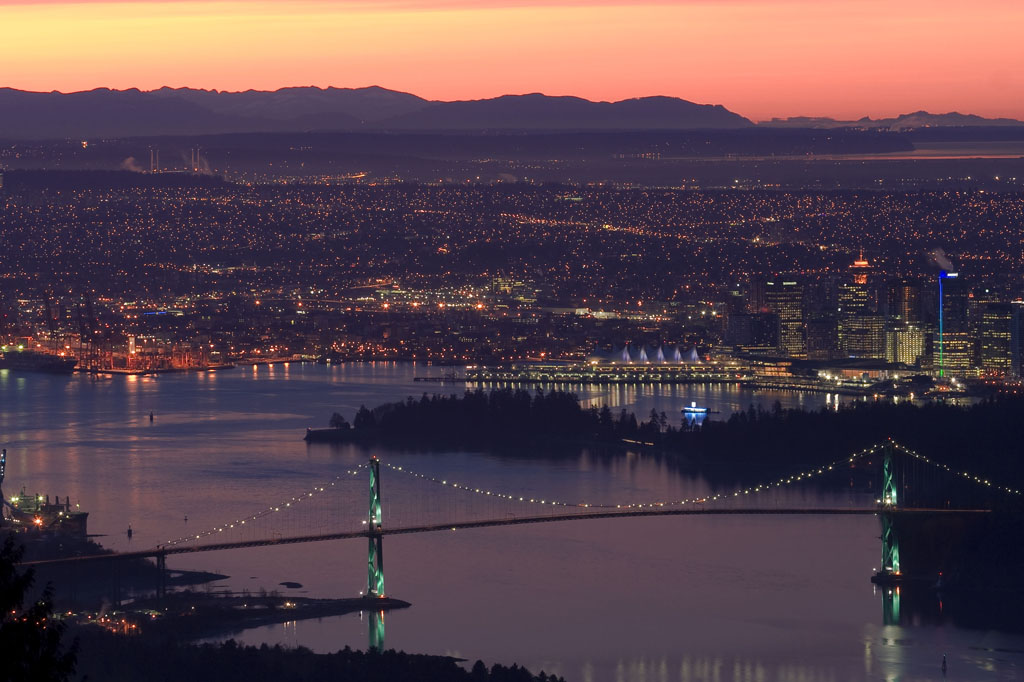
(37, 514)
(693, 409)
(35, 361)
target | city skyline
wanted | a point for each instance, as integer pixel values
(760, 60)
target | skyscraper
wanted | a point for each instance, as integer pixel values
(999, 332)
(784, 296)
(822, 337)
(905, 343)
(756, 333)
(863, 336)
(903, 301)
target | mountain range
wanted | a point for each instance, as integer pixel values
(187, 111)
(178, 111)
(918, 119)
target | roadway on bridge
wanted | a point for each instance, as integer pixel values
(489, 523)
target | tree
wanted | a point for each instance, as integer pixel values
(479, 672)
(655, 419)
(364, 419)
(339, 422)
(30, 639)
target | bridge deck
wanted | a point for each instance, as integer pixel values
(513, 521)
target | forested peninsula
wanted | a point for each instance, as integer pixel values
(986, 437)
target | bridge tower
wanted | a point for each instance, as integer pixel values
(889, 496)
(375, 555)
(890, 570)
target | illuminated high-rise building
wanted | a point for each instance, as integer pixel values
(822, 337)
(958, 355)
(999, 333)
(953, 320)
(903, 301)
(955, 298)
(863, 336)
(755, 296)
(784, 296)
(861, 268)
(854, 296)
(756, 334)
(852, 299)
(906, 344)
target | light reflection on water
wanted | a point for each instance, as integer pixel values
(723, 598)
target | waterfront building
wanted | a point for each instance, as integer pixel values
(640, 354)
(593, 372)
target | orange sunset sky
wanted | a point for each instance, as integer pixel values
(759, 58)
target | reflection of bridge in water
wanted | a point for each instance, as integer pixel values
(900, 475)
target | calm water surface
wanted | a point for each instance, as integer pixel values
(680, 598)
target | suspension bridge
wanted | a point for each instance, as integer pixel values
(344, 516)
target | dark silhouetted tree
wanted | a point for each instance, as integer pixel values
(30, 639)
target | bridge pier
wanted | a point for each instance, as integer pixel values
(117, 584)
(161, 577)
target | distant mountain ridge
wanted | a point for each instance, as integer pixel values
(917, 119)
(542, 112)
(362, 105)
(188, 111)
(178, 111)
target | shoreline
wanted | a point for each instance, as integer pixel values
(194, 616)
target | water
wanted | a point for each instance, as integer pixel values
(650, 599)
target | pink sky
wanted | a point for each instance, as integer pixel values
(760, 58)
